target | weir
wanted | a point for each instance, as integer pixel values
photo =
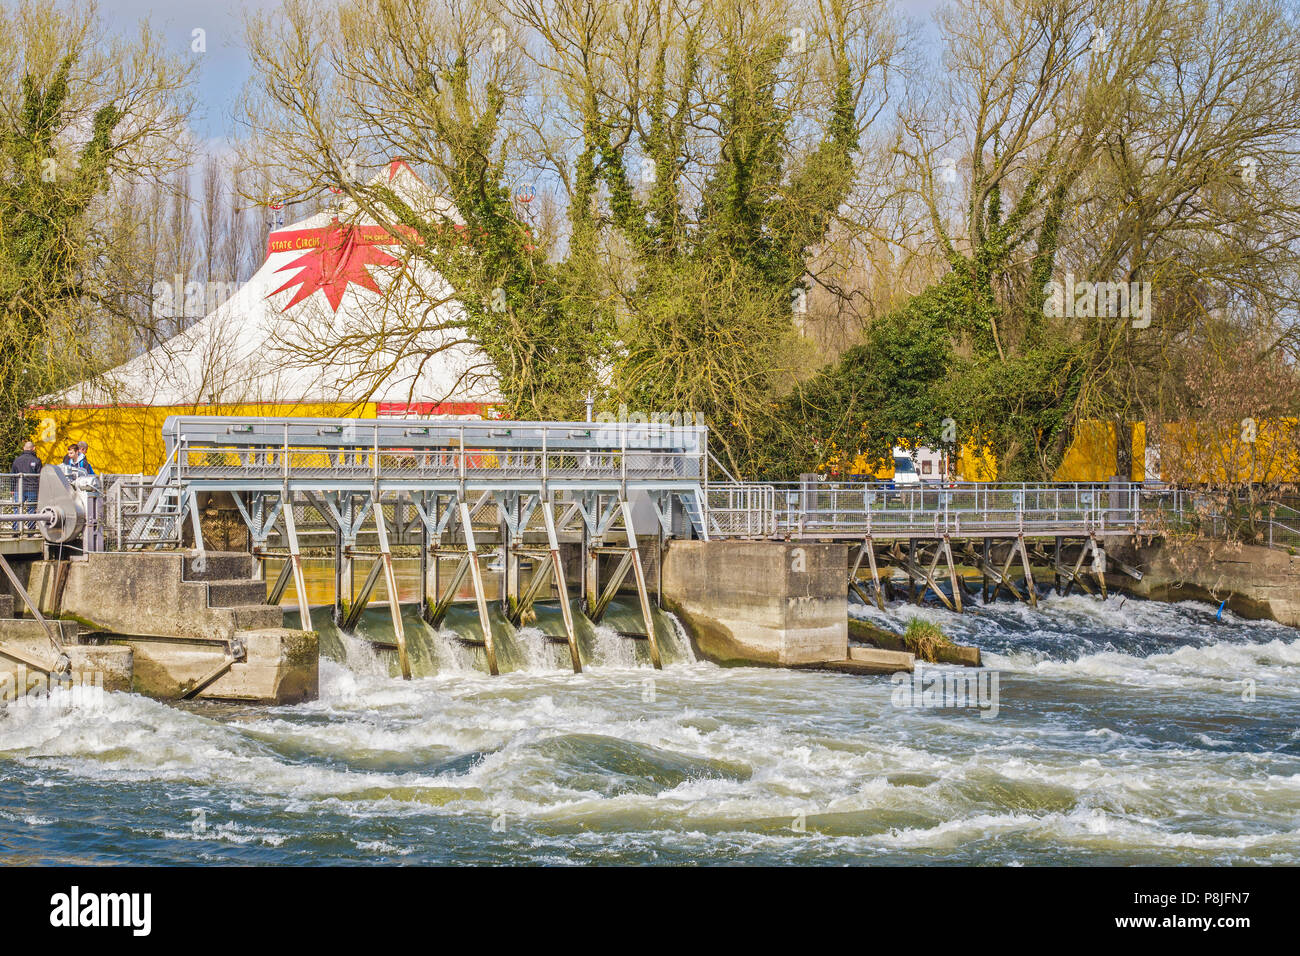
(516, 517)
(506, 493)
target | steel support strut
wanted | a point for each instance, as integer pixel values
(1030, 590)
(476, 575)
(394, 599)
(561, 585)
(295, 558)
(62, 663)
(641, 588)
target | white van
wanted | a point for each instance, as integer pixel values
(921, 466)
(905, 473)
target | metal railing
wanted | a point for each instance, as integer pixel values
(831, 509)
(1267, 523)
(139, 511)
(1281, 535)
(741, 510)
(881, 509)
(18, 494)
(400, 455)
(136, 515)
(228, 450)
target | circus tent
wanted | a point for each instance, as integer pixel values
(311, 333)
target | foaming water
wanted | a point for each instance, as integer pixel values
(457, 646)
(1127, 732)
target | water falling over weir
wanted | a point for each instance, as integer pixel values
(540, 646)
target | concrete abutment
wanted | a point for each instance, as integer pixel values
(760, 602)
(168, 625)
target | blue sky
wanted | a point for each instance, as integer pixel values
(223, 68)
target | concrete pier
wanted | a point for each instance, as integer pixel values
(111, 665)
(1258, 583)
(280, 667)
(157, 594)
(180, 626)
(885, 642)
(760, 602)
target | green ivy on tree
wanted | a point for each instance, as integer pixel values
(45, 198)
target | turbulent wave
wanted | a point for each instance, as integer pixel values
(1120, 638)
(1127, 732)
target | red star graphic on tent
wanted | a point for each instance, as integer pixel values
(343, 256)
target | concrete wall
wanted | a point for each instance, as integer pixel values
(142, 594)
(171, 637)
(281, 668)
(760, 602)
(1258, 583)
(108, 665)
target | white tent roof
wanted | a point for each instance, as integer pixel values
(323, 287)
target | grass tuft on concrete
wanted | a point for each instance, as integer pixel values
(924, 639)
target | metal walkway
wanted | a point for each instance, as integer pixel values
(853, 510)
(926, 532)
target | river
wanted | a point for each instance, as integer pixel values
(1125, 732)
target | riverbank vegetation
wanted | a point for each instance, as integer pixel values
(924, 639)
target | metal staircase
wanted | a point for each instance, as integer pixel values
(148, 512)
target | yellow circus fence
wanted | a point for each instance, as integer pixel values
(1265, 451)
(1092, 453)
(976, 464)
(973, 464)
(1191, 452)
(1188, 453)
(1090, 457)
(127, 439)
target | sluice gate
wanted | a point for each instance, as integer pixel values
(462, 493)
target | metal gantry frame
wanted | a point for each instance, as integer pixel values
(449, 526)
(527, 487)
(919, 559)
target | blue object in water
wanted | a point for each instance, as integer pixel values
(1218, 615)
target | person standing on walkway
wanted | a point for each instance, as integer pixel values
(79, 459)
(27, 469)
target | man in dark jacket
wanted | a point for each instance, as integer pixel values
(28, 469)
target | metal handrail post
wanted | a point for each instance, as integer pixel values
(462, 456)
